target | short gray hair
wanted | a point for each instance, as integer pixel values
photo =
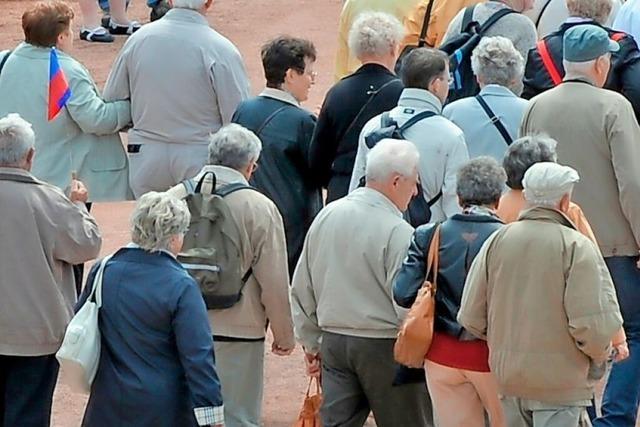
(496, 61)
(391, 156)
(234, 146)
(598, 10)
(375, 34)
(156, 218)
(480, 182)
(524, 153)
(578, 69)
(189, 4)
(16, 139)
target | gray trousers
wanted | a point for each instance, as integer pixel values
(240, 366)
(160, 166)
(532, 413)
(357, 376)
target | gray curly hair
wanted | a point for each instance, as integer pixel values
(496, 61)
(156, 218)
(375, 34)
(525, 152)
(480, 182)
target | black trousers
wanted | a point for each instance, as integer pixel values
(357, 377)
(26, 390)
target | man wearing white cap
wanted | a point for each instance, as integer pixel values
(599, 136)
(539, 292)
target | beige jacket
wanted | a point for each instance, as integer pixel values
(265, 297)
(344, 278)
(597, 135)
(42, 234)
(544, 326)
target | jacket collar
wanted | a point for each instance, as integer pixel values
(36, 52)
(546, 215)
(373, 69)
(497, 90)
(572, 21)
(280, 95)
(420, 99)
(224, 175)
(16, 171)
(475, 217)
(375, 199)
(186, 15)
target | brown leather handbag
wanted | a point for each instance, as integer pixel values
(310, 413)
(415, 334)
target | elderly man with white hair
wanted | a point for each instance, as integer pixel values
(598, 135)
(369, 91)
(239, 331)
(44, 233)
(185, 81)
(491, 119)
(539, 292)
(341, 296)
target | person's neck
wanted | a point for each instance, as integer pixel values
(582, 77)
(377, 62)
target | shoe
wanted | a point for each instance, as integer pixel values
(99, 35)
(123, 30)
(159, 10)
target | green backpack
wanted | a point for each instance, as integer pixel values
(212, 247)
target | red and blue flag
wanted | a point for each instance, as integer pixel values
(59, 92)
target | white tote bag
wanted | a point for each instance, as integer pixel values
(80, 351)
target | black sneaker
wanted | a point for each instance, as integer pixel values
(159, 10)
(123, 30)
(99, 35)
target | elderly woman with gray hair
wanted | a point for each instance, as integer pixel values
(490, 121)
(371, 90)
(156, 363)
(457, 364)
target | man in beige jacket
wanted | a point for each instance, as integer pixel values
(42, 234)
(341, 296)
(599, 136)
(539, 292)
(239, 331)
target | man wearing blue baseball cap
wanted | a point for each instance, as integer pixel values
(598, 135)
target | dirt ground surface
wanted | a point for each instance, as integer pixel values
(248, 23)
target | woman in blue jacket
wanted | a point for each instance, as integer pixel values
(156, 364)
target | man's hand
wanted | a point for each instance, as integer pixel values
(78, 192)
(313, 364)
(621, 351)
(281, 351)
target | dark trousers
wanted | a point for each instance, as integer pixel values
(357, 377)
(26, 390)
(622, 393)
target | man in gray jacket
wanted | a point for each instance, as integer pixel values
(342, 306)
(185, 81)
(43, 233)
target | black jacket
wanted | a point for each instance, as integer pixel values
(333, 149)
(283, 171)
(461, 238)
(624, 76)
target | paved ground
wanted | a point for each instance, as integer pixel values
(248, 23)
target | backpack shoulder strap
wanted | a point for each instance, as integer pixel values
(422, 40)
(548, 62)
(495, 120)
(467, 18)
(225, 190)
(189, 186)
(493, 19)
(4, 60)
(415, 119)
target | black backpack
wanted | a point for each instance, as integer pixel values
(419, 210)
(460, 49)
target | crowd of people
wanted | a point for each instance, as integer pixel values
(254, 216)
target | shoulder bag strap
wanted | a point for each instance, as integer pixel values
(4, 60)
(467, 18)
(374, 94)
(422, 40)
(435, 198)
(433, 259)
(97, 282)
(544, 8)
(493, 19)
(548, 63)
(495, 120)
(225, 190)
(268, 119)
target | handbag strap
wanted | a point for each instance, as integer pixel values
(433, 260)
(495, 120)
(97, 282)
(364, 107)
(317, 385)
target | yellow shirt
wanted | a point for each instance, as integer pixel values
(346, 63)
(442, 13)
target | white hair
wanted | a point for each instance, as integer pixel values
(375, 34)
(189, 4)
(156, 218)
(391, 156)
(234, 146)
(16, 139)
(496, 61)
(578, 69)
